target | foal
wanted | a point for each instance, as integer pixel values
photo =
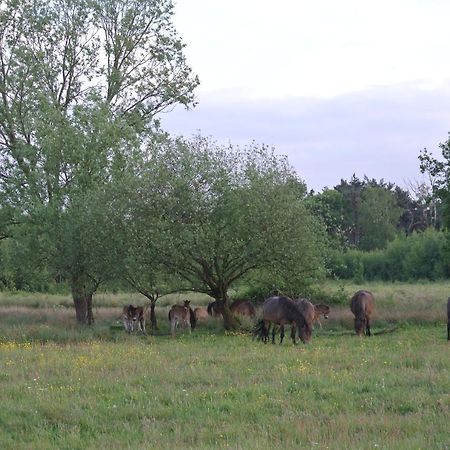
(131, 315)
(181, 315)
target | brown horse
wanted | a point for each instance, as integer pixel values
(282, 311)
(200, 314)
(243, 307)
(448, 319)
(132, 314)
(181, 315)
(320, 310)
(308, 311)
(362, 304)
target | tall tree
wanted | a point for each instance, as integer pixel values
(213, 215)
(80, 84)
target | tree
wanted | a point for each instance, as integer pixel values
(378, 218)
(213, 215)
(80, 85)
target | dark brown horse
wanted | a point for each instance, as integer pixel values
(282, 311)
(243, 307)
(448, 319)
(308, 311)
(215, 308)
(362, 304)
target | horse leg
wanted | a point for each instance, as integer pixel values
(173, 324)
(281, 334)
(293, 332)
(266, 329)
(274, 332)
(142, 325)
(448, 331)
(368, 327)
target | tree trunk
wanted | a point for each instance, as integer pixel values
(229, 321)
(153, 316)
(82, 299)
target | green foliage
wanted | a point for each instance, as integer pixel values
(406, 258)
(215, 215)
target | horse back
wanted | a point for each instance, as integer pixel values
(362, 304)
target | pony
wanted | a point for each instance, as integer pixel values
(448, 319)
(282, 311)
(132, 314)
(181, 315)
(200, 314)
(308, 311)
(361, 305)
(215, 308)
(320, 310)
(243, 307)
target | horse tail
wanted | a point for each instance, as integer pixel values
(210, 308)
(170, 315)
(259, 330)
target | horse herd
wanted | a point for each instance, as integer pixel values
(278, 311)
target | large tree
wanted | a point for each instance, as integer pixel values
(213, 215)
(80, 85)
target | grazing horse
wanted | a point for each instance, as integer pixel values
(131, 315)
(309, 313)
(282, 311)
(320, 310)
(362, 304)
(200, 314)
(243, 307)
(180, 315)
(448, 319)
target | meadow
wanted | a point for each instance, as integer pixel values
(63, 386)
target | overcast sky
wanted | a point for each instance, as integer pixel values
(354, 86)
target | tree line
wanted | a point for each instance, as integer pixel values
(94, 193)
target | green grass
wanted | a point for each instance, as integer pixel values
(63, 386)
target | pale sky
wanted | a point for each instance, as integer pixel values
(339, 86)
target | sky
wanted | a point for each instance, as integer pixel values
(354, 86)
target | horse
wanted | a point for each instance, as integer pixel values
(282, 311)
(243, 307)
(131, 315)
(200, 314)
(448, 319)
(181, 315)
(361, 305)
(320, 310)
(308, 311)
(215, 308)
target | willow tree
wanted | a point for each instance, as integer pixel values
(81, 82)
(213, 215)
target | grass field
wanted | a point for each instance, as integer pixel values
(68, 387)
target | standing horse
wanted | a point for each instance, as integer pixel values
(282, 311)
(321, 310)
(132, 314)
(448, 319)
(362, 304)
(181, 315)
(243, 307)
